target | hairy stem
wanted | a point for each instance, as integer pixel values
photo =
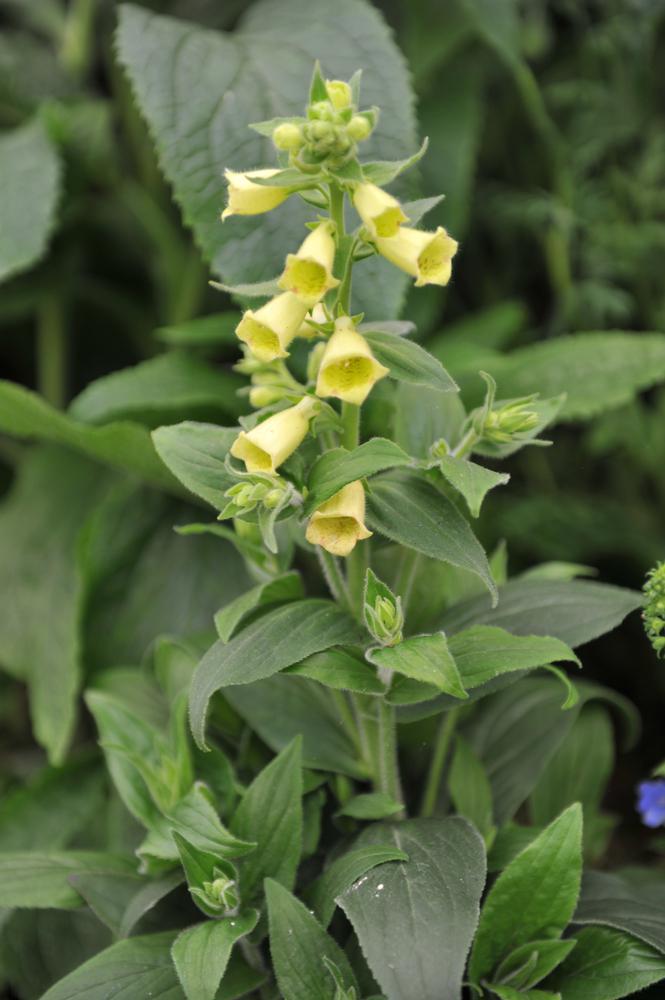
(442, 743)
(386, 774)
(333, 576)
(52, 351)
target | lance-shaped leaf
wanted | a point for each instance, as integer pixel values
(201, 953)
(195, 454)
(384, 172)
(409, 362)
(336, 879)
(424, 658)
(605, 965)
(287, 587)
(338, 467)
(41, 878)
(613, 901)
(279, 639)
(471, 480)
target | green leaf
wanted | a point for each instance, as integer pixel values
(574, 611)
(170, 387)
(135, 967)
(423, 416)
(201, 953)
(31, 174)
(606, 965)
(528, 964)
(341, 670)
(485, 651)
(108, 895)
(409, 362)
(299, 947)
(217, 329)
(121, 445)
(281, 39)
(425, 658)
(614, 902)
(508, 993)
(270, 813)
(41, 879)
(470, 788)
(287, 587)
(383, 173)
(409, 510)
(321, 895)
(195, 454)
(280, 638)
(472, 481)
(415, 919)
(148, 896)
(282, 707)
(370, 805)
(337, 467)
(534, 897)
(510, 840)
(597, 371)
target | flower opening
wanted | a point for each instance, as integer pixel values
(425, 256)
(339, 522)
(348, 368)
(269, 331)
(380, 212)
(266, 446)
(308, 273)
(247, 198)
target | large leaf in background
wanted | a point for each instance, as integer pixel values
(415, 920)
(408, 509)
(343, 871)
(606, 965)
(30, 171)
(615, 902)
(43, 587)
(574, 611)
(199, 89)
(164, 389)
(35, 879)
(123, 445)
(277, 640)
(195, 454)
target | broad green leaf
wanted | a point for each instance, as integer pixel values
(147, 897)
(340, 669)
(282, 707)
(510, 841)
(597, 371)
(135, 967)
(535, 896)
(337, 467)
(485, 651)
(370, 805)
(470, 789)
(574, 611)
(530, 963)
(322, 894)
(44, 586)
(382, 173)
(287, 587)
(270, 813)
(409, 362)
(415, 920)
(201, 953)
(280, 638)
(108, 894)
(170, 387)
(195, 454)
(299, 945)
(31, 175)
(205, 331)
(122, 445)
(423, 416)
(199, 131)
(41, 878)
(424, 658)
(410, 510)
(515, 733)
(614, 902)
(605, 965)
(508, 993)
(471, 480)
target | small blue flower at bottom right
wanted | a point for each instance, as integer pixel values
(651, 802)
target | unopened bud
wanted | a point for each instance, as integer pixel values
(288, 137)
(653, 615)
(358, 128)
(314, 361)
(439, 449)
(321, 111)
(340, 94)
(509, 422)
(265, 395)
(222, 892)
(382, 611)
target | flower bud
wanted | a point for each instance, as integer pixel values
(321, 111)
(339, 93)
(380, 212)
(270, 443)
(348, 368)
(222, 893)
(338, 523)
(247, 198)
(508, 422)
(269, 331)
(308, 273)
(265, 395)
(288, 137)
(359, 128)
(426, 256)
(653, 615)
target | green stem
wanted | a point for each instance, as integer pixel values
(465, 446)
(333, 576)
(336, 196)
(406, 576)
(442, 743)
(76, 48)
(386, 774)
(350, 426)
(52, 351)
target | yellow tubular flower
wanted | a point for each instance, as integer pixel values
(269, 331)
(426, 256)
(338, 523)
(308, 273)
(348, 368)
(247, 198)
(266, 446)
(380, 212)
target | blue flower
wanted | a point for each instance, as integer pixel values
(651, 802)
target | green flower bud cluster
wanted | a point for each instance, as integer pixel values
(385, 620)
(219, 896)
(653, 614)
(252, 491)
(510, 422)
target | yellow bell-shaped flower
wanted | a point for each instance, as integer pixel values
(266, 446)
(308, 273)
(339, 522)
(381, 213)
(348, 368)
(247, 198)
(269, 331)
(426, 256)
